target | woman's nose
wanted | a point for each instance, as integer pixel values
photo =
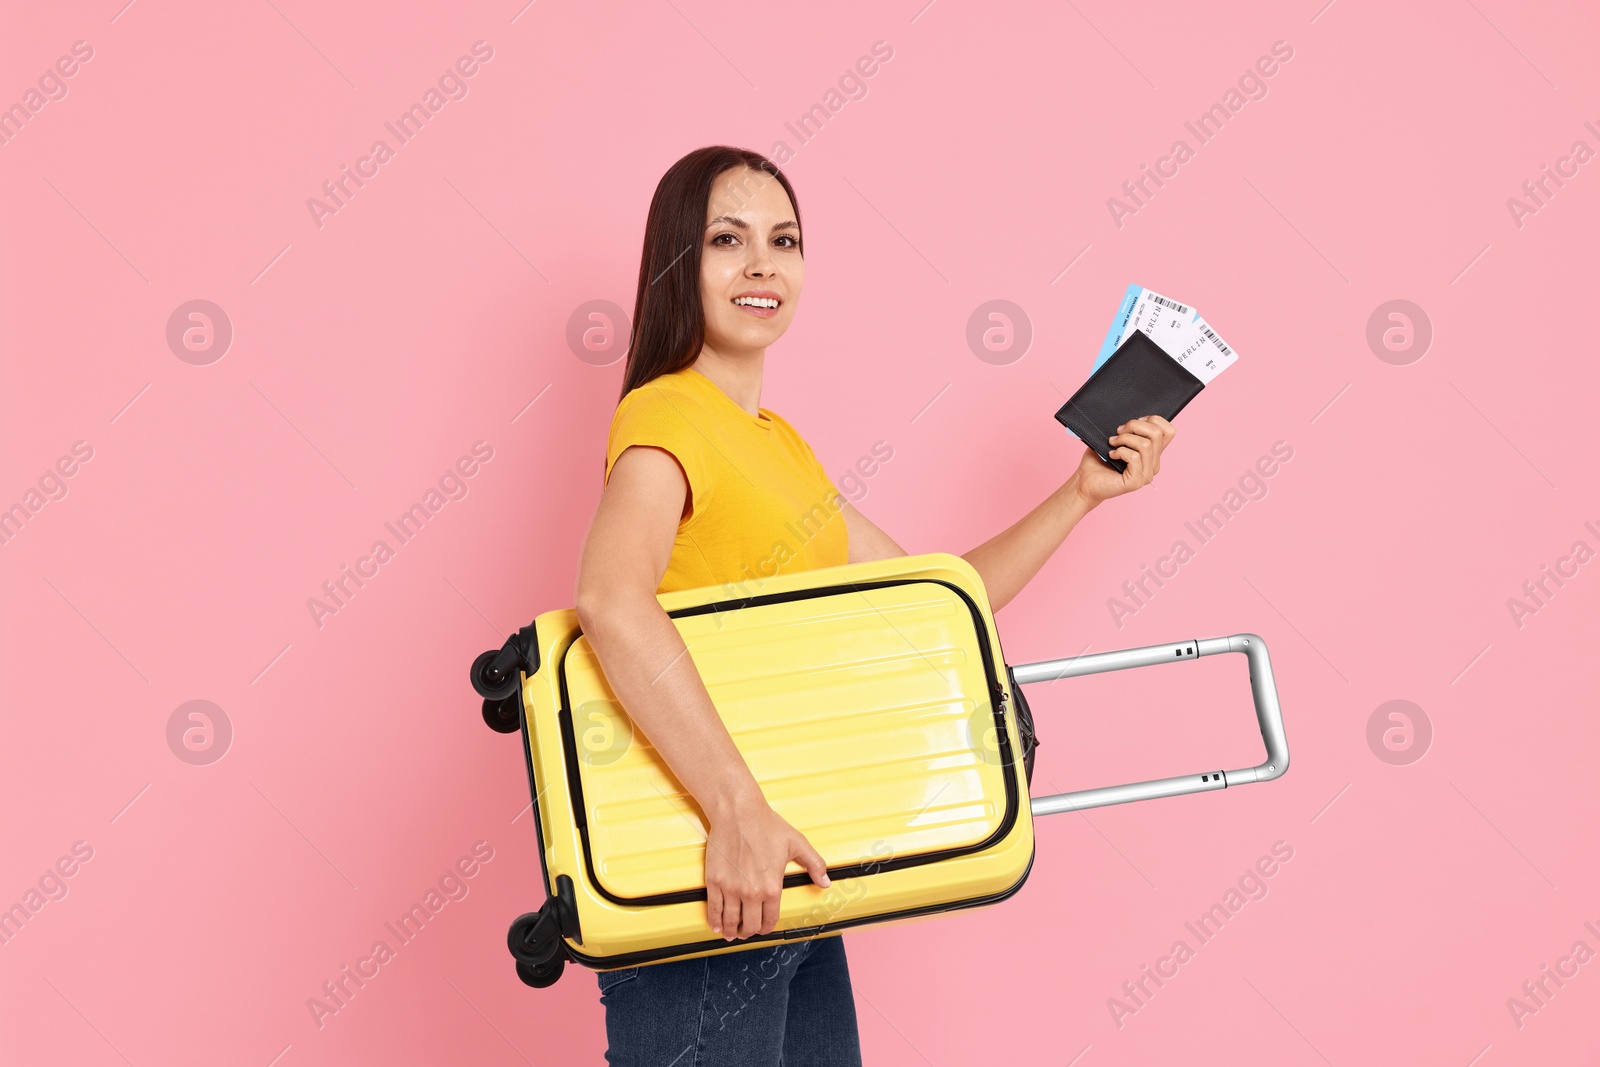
(758, 264)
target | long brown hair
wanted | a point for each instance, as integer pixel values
(669, 324)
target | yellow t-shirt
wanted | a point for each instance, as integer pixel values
(760, 502)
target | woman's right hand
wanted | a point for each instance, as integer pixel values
(747, 849)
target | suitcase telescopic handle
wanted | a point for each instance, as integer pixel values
(1262, 688)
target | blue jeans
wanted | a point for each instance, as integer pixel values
(786, 1005)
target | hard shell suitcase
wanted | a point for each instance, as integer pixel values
(874, 706)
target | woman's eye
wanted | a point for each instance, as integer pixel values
(783, 240)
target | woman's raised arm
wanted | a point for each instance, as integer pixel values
(1009, 560)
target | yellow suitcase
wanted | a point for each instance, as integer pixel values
(873, 704)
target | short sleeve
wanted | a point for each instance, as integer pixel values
(662, 419)
(816, 464)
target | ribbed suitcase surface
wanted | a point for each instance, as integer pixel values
(865, 714)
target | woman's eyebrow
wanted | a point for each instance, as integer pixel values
(734, 220)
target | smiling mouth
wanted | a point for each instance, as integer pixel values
(764, 307)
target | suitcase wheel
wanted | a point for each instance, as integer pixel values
(541, 976)
(535, 939)
(504, 716)
(484, 681)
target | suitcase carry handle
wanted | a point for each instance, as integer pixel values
(1262, 688)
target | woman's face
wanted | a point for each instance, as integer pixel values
(751, 257)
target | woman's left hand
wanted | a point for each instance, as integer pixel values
(1139, 443)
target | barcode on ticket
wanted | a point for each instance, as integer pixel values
(1217, 341)
(1164, 302)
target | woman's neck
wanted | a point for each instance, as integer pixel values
(737, 375)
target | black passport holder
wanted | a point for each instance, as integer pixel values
(1138, 379)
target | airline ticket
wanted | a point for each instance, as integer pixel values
(1175, 327)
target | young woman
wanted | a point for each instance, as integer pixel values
(702, 487)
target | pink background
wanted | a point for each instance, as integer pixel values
(370, 353)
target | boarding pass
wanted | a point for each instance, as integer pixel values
(1174, 326)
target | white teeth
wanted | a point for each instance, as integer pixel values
(756, 301)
